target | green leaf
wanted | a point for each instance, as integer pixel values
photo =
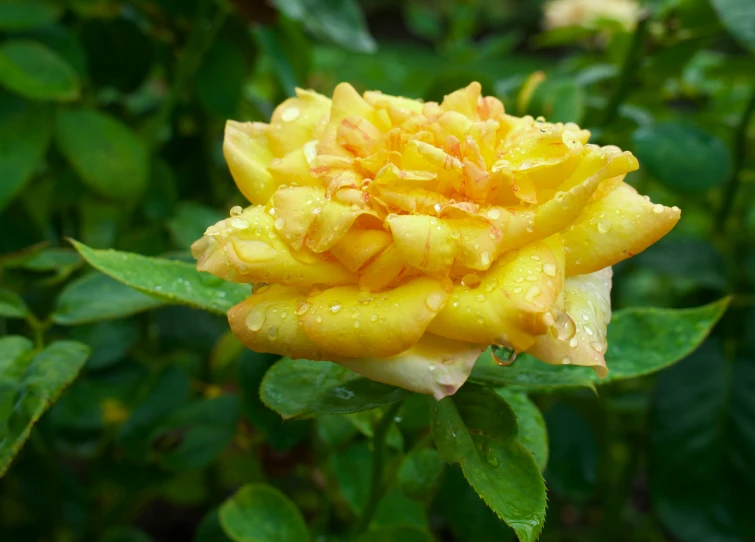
(24, 137)
(365, 422)
(477, 429)
(34, 71)
(169, 280)
(738, 16)
(641, 341)
(106, 154)
(338, 21)
(96, 297)
(420, 474)
(210, 529)
(29, 384)
(280, 436)
(220, 79)
(683, 156)
(12, 305)
(195, 435)
(109, 341)
(702, 449)
(351, 466)
(532, 433)
(26, 14)
(302, 388)
(395, 508)
(261, 513)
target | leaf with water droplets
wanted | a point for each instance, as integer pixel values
(171, 280)
(641, 341)
(29, 383)
(478, 429)
(300, 388)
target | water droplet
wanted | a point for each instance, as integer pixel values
(564, 327)
(588, 330)
(573, 342)
(480, 297)
(236, 210)
(279, 223)
(532, 293)
(255, 319)
(485, 258)
(535, 257)
(272, 333)
(604, 226)
(356, 324)
(431, 367)
(657, 208)
(335, 306)
(491, 459)
(302, 308)
(597, 346)
(373, 318)
(239, 223)
(503, 354)
(319, 319)
(470, 280)
(494, 214)
(550, 269)
(566, 360)
(434, 301)
(316, 211)
(290, 114)
(446, 359)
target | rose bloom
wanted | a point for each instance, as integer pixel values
(566, 13)
(400, 238)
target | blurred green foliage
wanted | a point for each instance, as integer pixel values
(111, 122)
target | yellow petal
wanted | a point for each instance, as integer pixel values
(294, 168)
(424, 242)
(464, 100)
(507, 304)
(268, 322)
(355, 323)
(250, 245)
(247, 153)
(357, 247)
(578, 335)
(611, 229)
(386, 270)
(434, 366)
(296, 121)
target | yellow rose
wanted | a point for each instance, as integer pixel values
(566, 13)
(400, 238)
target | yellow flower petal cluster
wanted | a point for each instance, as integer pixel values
(585, 13)
(400, 238)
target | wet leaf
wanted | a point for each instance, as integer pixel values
(29, 384)
(420, 474)
(302, 388)
(641, 341)
(169, 280)
(477, 429)
(532, 433)
(738, 16)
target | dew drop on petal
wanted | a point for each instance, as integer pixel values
(279, 223)
(255, 319)
(566, 360)
(494, 214)
(335, 306)
(503, 354)
(236, 210)
(470, 280)
(550, 269)
(434, 301)
(597, 346)
(290, 114)
(302, 308)
(604, 226)
(657, 208)
(239, 223)
(564, 327)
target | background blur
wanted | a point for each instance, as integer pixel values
(111, 122)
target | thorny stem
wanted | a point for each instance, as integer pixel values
(628, 68)
(377, 489)
(740, 148)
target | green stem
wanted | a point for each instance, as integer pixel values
(740, 147)
(628, 69)
(200, 39)
(377, 489)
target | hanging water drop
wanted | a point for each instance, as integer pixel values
(503, 355)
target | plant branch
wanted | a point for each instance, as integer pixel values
(628, 68)
(377, 489)
(740, 148)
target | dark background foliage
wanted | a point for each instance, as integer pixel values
(111, 122)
